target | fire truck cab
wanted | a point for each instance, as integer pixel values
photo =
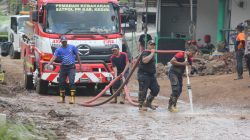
(91, 25)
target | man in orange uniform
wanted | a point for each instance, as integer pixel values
(239, 49)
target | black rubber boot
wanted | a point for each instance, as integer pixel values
(141, 100)
(172, 104)
(175, 101)
(149, 102)
(142, 107)
(122, 97)
(239, 77)
(114, 101)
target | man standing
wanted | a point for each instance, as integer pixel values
(147, 78)
(67, 54)
(126, 49)
(120, 64)
(143, 39)
(239, 49)
(176, 73)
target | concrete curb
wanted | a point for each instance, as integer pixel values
(2, 119)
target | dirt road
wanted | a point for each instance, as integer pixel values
(221, 111)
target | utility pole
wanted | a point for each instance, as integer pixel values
(146, 24)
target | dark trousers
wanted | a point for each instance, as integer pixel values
(119, 82)
(176, 81)
(147, 81)
(248, 62)
(239, 61)
(67, 71)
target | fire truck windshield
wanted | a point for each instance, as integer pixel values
(21, 23)
(82, 19)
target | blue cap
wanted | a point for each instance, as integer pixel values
(114, 46)
(63, 38)
(240, 27)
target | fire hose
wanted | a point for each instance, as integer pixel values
(128, 97)
(87, 103)
(103, 91)
(119, 89)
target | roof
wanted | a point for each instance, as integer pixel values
(79, 1)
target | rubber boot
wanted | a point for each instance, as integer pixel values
(239, 77)
(62, 96)
(142, 107)
(72, 94)
(175, 107)
(141, 102)
(172, 102)
(149, 102)
(114, 101)
(122, 98)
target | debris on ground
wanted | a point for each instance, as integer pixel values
(161, 71)
(214, 65)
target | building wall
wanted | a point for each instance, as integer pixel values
(207, 13)
(239, 14)
(174, 20)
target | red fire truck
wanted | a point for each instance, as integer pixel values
(91, 25)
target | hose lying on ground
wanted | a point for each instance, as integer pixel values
(128, 97)
(103, 91)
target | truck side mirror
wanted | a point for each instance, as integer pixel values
(35, 16)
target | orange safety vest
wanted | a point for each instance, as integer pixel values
(240, 40)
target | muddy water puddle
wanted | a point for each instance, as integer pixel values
(125, 122)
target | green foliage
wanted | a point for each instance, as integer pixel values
(13, 131)
(4, 19)
(123, 1)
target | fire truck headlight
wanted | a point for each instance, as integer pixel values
(48, 68)
(109, 79)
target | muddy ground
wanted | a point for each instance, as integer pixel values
(221, 111)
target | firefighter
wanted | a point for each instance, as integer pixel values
(239, 49)
(142, 39)
(147, 78)
(120, 64)
(175, 75)
(66, 54)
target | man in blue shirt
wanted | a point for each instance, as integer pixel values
(67, 54)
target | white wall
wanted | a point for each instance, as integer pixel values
(207, 17)
(238, 14)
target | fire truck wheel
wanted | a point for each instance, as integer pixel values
(91, 89)
(111, 91)
(14, 54)
(28, 81)
(42, 86)
(100, 87)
